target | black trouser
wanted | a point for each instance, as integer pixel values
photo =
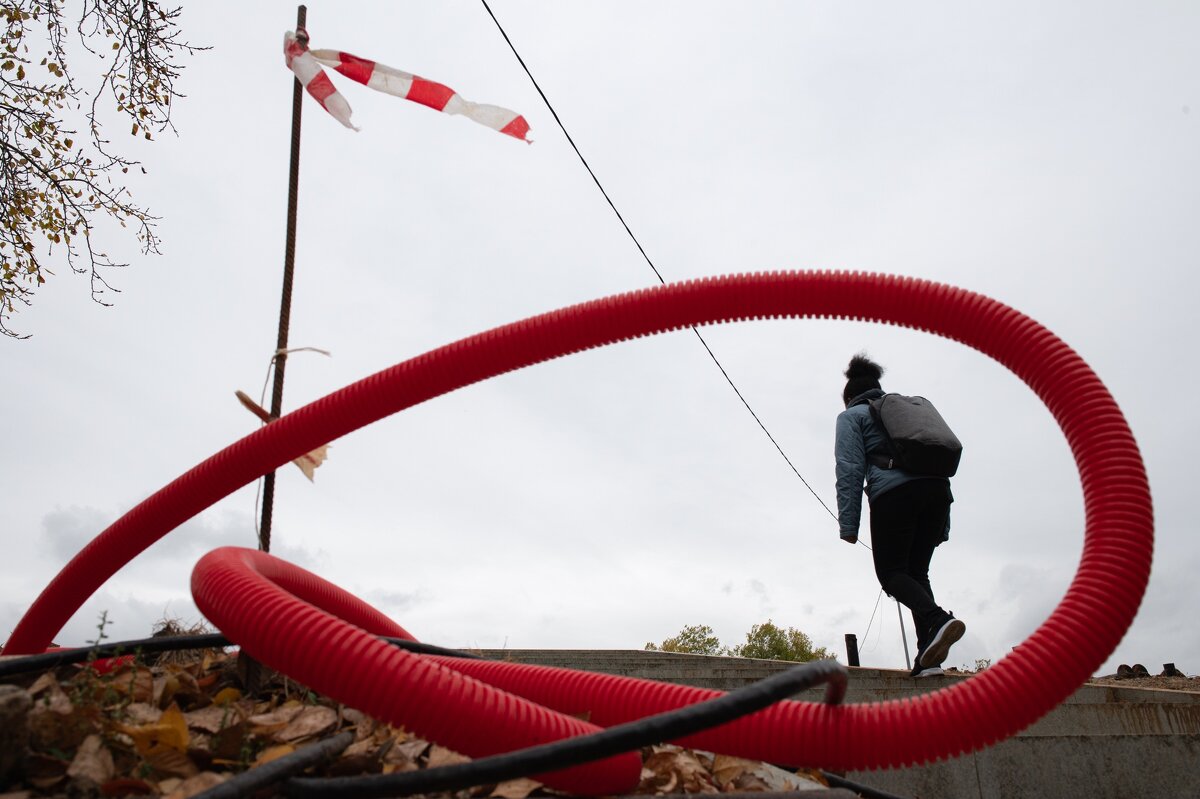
(907, 523)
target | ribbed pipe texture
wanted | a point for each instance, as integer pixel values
(266, 605)
(1070, 645)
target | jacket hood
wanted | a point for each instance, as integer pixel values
(867, 396)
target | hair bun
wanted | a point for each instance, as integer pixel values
(862, 366)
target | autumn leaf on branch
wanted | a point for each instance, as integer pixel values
(59, 188)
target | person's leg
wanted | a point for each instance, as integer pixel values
(894, 518)
(938, 631)
(931, 505)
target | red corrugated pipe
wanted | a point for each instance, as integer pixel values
(1068, 647)
(267, 605)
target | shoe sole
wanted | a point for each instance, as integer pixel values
(932, 671)
(939, 648)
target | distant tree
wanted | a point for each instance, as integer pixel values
(697, 639)
(57, 186)
(769, 642)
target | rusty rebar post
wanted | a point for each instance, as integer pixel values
(285, 302)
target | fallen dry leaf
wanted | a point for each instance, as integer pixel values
(402, 756)
(386, 732)
(56, 723)
(670, 768)
(364, 747)
(47, 680)
(196, 784)
(171, 761)
(165, 688)
(212, 719)
(360, 757)
(273, 753)
(411, 749)
(54, 699)
(163, 744)
(169, 784)
(813, 774)
(227, 743)
(140, 713)
(735, 773)
(393, 768)
(133, 681)
(354, 766)
(441, 756)
(309, 722)
(127, 786)
(199, 746)
(93, 762)
(516, 789)
(169, 732)
(268, 723)
(178, 686)
(226, 695)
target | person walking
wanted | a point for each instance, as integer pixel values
(910, 515)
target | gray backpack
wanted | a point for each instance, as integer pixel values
(919, 440)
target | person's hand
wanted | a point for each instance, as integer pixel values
(850, 539)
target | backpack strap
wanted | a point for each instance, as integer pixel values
(881, 458)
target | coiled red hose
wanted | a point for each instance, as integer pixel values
(1082, 631)
(266, 605)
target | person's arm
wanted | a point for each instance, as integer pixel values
(850, 464)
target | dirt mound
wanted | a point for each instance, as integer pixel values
(1191, 684)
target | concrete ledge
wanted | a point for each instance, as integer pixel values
(1065, 767)
(1101, 743)
(728, 673)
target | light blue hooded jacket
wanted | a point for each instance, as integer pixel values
(857, 435)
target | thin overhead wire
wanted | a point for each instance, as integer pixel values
(642, 250)
(871, 621)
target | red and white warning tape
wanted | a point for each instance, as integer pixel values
(307, 66)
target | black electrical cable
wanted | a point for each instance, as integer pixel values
(249, 782)
(173, 643)
(583, 749)
(642, 250)
(65, 657)
(429, 649)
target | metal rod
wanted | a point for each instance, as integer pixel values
(285, 302)
(903, 635)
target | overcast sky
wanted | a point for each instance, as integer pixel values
(1047, 155)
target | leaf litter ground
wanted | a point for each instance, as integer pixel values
(176, 725)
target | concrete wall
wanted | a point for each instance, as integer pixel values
(1100, 743)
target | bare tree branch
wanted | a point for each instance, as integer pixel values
(60, 189)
